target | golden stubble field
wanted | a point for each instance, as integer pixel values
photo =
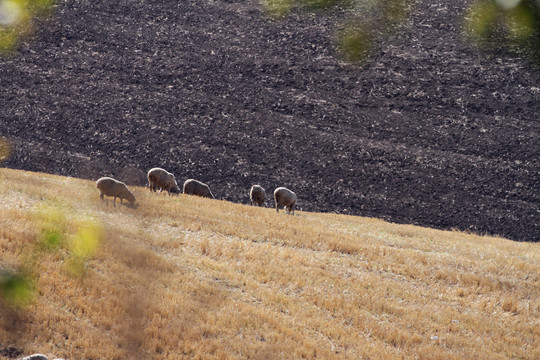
(186, 277)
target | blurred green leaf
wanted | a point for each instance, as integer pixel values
(394, 12)
(512, 25)
(8, 42)
(356, 43)
(277, 8)
(86, 242)
(480, 19)
(16, 289)
(52, 222)
(520, 23)
(52, 239)
(16, 20)
(323, 4)
(41, 7)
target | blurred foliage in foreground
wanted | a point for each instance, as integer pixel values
(74, 240)
(494, 24)
(370, 21)
(16, 288)
(505, 24)
(371, 24)
(77, 239)
(17, 20)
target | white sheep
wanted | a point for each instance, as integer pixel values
(111, 187)
(195, 187)
(285, 197)
(257, 195)
(162, 179)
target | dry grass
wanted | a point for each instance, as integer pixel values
(187, 277)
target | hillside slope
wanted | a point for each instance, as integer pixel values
(430, 132)
(186, 277)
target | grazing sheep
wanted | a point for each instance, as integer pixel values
(111, 187)
(257, 195)
(195, 187)
(159, 178)
(285, 197)
(35, 357)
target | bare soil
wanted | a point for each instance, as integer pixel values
(431, 132)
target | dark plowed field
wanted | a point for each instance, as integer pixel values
(431, 132)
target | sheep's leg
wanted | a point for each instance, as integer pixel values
(114, 202)
(277, 207)
(101, 196)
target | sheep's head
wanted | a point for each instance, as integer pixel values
(175, 189)
(131, 199)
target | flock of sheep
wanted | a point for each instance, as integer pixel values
(163, 180)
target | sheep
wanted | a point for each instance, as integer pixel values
(111, 187)
(285, 197)
(162, 179)
(35, 357)
(257, 195)
(195, 187)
